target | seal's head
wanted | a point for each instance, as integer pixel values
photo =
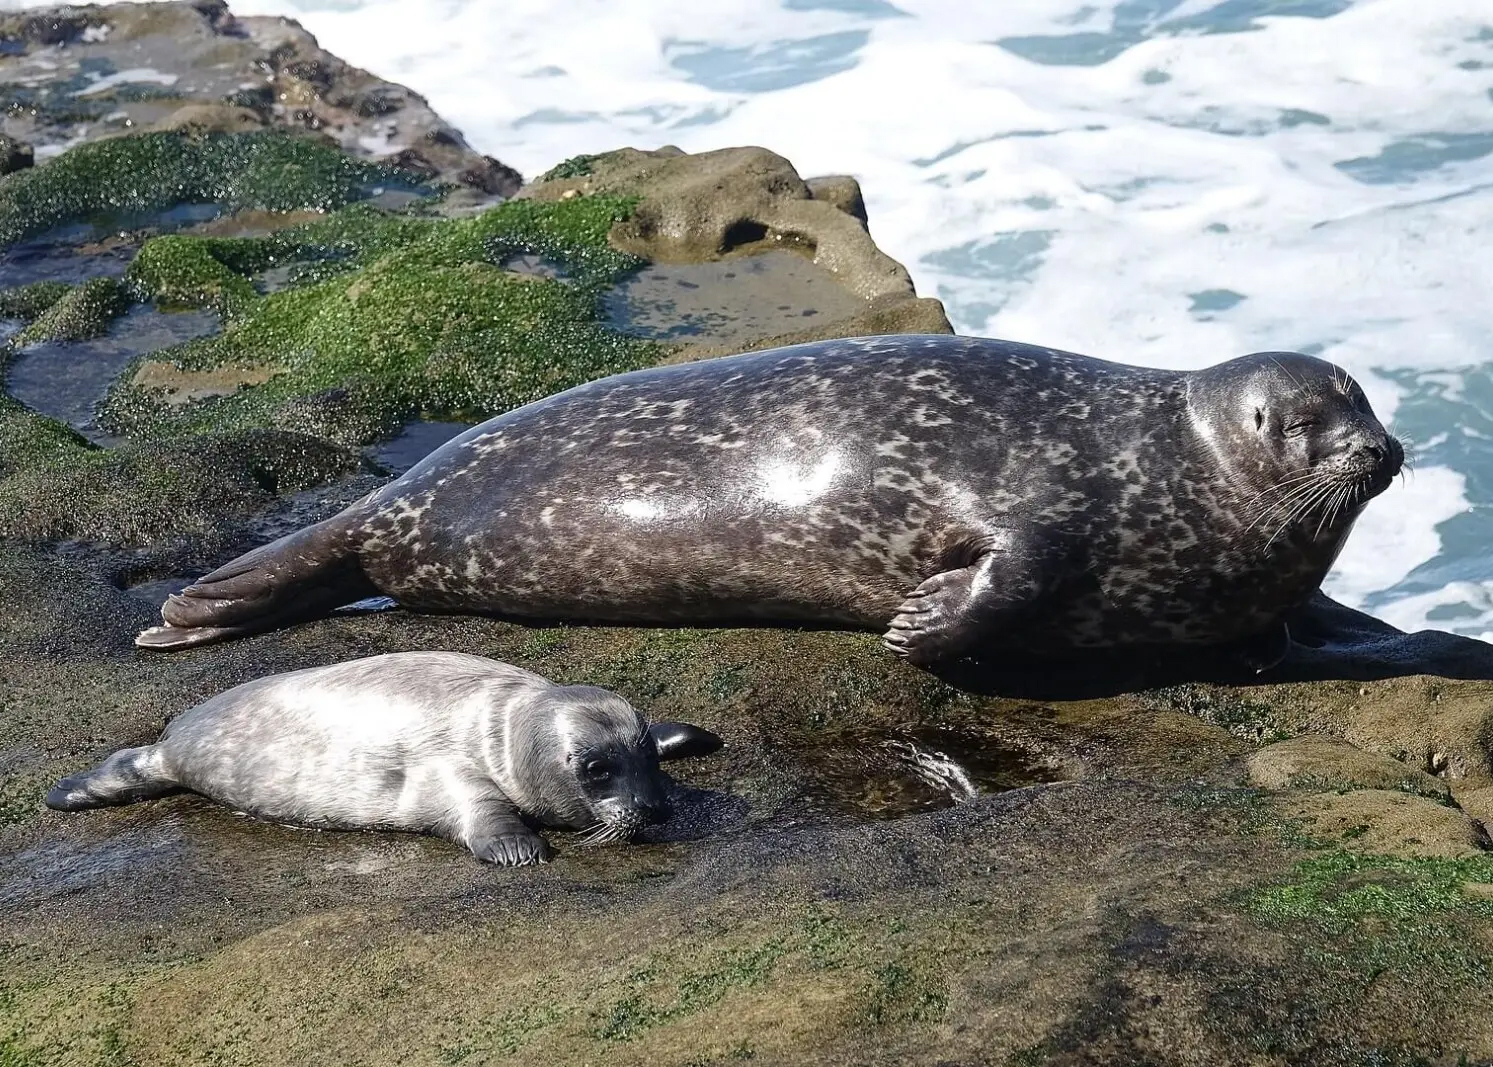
(593, 762)
(1301, 432)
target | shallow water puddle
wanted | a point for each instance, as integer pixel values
(101, 247)
(733, 300)
(155, 590)
(60, 868)
(535, 266)
(416, 441)
(67, 379)
(886, 776)
(69, 258)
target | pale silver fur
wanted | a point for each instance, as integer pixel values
(433, 742)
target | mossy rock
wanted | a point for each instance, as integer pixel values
(1155, 910)
(26, 302)
(145, 173)
(81, 312)
(404, 316)
(54, 485)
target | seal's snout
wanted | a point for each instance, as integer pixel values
(1373, 463)
(1380, 458)
(1396, 454)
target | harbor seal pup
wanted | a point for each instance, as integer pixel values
(466, 748)
(960, 493)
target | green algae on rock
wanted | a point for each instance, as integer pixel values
(86, 72)
(54, 485)
(81, 312)
(151, 172)
(177, 271)
(416, 317)
(26, 302)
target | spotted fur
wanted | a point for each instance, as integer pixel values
(828, 482)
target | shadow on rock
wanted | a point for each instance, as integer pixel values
(1329, 642)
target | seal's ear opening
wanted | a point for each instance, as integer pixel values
(680, 740)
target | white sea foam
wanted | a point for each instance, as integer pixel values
(1170, 182)
(133, 76)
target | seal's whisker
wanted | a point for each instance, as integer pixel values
(1301, 509)
(1292, 520)
(594, 834)
(1339, 494)
(1284, 483)
(1299, 506)
(1287, 503)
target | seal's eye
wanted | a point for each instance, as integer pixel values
(1301, 426)
(597, 771)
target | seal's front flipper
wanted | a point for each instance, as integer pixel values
(492, 828)
(680, 740)
(517, 849)
(1265, 649)
(303, 575)
(949, 613)
(129, 775)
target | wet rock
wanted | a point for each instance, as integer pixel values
(82, 312)
(491, 176)
(1477, 802)
(47, 28)
(843, 191)
(1388, 822)
(14, 155)
(177, 385)
(1052, 923)
(83, 72)
(211, 118)
(1324, 763)
(881, 315)
(733, 201)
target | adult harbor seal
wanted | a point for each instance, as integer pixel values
(959, 492)
(431, 742)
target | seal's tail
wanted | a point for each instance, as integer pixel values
(302, 576)
(129, 775)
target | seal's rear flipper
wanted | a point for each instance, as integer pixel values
(129, 775)
(680, 740)
(302, 576)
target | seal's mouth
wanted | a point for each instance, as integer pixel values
(1316, 499)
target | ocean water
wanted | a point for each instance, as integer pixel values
(1166, 182)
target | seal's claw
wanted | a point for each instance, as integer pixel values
(511, 850)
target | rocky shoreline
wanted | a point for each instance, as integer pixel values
(243, 281)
